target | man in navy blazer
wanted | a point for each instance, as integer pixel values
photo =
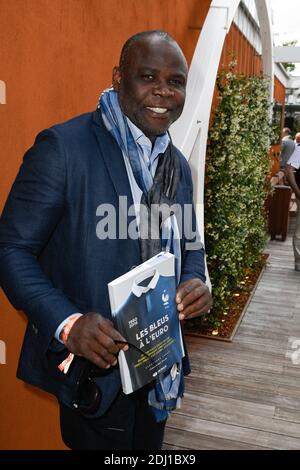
(55, 264)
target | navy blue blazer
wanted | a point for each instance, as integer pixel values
(52, 263)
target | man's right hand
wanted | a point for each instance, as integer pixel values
(95, 338)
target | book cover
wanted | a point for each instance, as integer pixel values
(144, 312)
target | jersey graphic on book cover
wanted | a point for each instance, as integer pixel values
(144, 311)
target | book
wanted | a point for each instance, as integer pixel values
(144, 311)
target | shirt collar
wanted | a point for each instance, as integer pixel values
(138, 290)
(160, 145)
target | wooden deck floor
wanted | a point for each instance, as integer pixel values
(246, 394)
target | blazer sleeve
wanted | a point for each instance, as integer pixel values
(32, 211)
(193, 264)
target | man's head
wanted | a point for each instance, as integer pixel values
(286, 131)
(151, 81)
(297, 138)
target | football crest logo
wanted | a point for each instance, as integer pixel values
(165, 298)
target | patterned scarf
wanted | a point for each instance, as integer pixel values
(161, 189)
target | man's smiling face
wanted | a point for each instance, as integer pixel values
(151, 84)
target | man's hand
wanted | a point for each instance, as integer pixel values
(193, 299)
(95, 338)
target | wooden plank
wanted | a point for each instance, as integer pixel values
(234, 433)
(237, 374)
(190, 440)
(265, 395)
(232, 415)
(287, 414)
(209, 401)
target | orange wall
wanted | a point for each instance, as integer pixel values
(56, 56)
(279, 91)
(238, 48)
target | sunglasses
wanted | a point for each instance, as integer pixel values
(87, 394)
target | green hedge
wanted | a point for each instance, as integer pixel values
(237, 165)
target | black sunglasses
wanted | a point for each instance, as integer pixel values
(87, 394)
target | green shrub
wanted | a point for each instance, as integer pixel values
(237, 165)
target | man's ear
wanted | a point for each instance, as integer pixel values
(116, 78)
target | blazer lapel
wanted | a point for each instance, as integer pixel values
(113, 159)
(114, 162)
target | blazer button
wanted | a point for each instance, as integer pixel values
(34, 328)
(132, 267)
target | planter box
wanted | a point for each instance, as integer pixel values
(279, 207)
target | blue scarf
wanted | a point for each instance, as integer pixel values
(166, 393)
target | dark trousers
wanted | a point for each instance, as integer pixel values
(128, 425)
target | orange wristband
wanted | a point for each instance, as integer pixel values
(64, 334)
(65, 364)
